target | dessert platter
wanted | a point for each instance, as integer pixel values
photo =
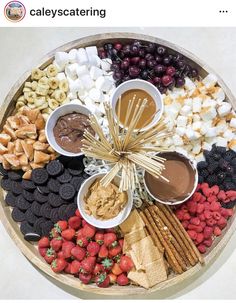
(118, 164)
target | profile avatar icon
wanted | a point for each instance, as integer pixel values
(14, 11)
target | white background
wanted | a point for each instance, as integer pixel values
(20, 48)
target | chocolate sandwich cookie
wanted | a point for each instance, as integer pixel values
(32, 236)
(40, 197)
(65, 177)
(45, 210)
(46, 228)
(54, 168)
(53, 185)
(10, 199)
(28, 185)
(6, 183)
(54, 215)
(43, 189)
(22, 203)
(39, 176)
(30, 217)
(67, 191)
(35, 208)
(38, 223)
(15, 175)
(28, 195)
(16, 188)
(3, 172)
(77, 182)
(55, 200)
(70, 210)
(17, 215)
(25, 228)
(62, 212)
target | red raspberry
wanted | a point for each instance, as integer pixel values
(222, 223)
(206, 191)
(197, 228)
(224, 213)
(207, 205)
(207, 214)
(200, 238)
(216, 215)
(185, 224)
(212, 199)
(230, 212)
(202, 248)
(195, 221)
(203, 224)
(204, 185)
(211, 222)
(215, 206)
(192, 234)
(179, 214)
(200, 208)
(208, 242)
(198, 187)
(217, 231)
(186, 216)
(215, 189)
(231, 194)
(196, 196)
(203, 199)
(221, 195)
(202, 217)
(207, 232)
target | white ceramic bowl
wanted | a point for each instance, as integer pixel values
(52, 119)
(143, 85)
(194, 167)
(102, 223)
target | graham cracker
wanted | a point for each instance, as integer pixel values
(134, 236)
(133, 222)
(156, 272)
(139, 277)
(141, 247)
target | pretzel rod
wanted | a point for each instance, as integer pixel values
(181, 238)
(196, 251)
(151, 232)
(176, 267)
(183, 250)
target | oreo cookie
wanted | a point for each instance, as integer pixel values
(14, 175)
(16, 188)
(32, 236)
(28, 185)
(17, 215)
(70, 210)
(55, 200)
(53, 185)
(43, 189)
(10, 199)
(38, 223)
(35, 208)
(30, 217)
(22, 203)
(77, 182)
(54, 215)
(40, 197)
(67, 191)
(25, 228)
(54, 168)
(45, 210)
(39, 176)
(62, 212)
(46, 228)
(3, 172)
(6, 183)
(28, 195)
(65, 177)
(85, 176)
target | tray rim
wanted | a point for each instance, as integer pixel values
(26, 248)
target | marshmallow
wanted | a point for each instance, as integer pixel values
(82, 57)
(191, 134)
(221, 142)
(103, 84)
(189, 84)
(61, 76)
(211, 132)
(95, 72)
(196, 118)
(76, 101)
(208, 113)
(91, 50)
(171, 112)
(180, 131)
(72, 95)
(106, 64)
(76, 86)
(94, 60)
(181, 150)
(224, 109)
(61, 58)
(197, 105)
(206, 146)
(209, 102)
(188, 102)
(177, 140)
(200, 157)
(72, 55)
(197, 125)
(60, 68)
(185, 110)
(82, 70)
(196, 148)
(87, 81)
(210, 80)
(219, 94)
(232, 145)
(181, 121)
(233, 123)
(222, 126)
(71, 70)
(228, 134)
(95, 94)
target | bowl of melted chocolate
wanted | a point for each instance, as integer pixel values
(182, 177)
(65, 128)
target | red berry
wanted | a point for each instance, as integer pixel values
(103, 252)
(75, 267)
(207, 232)
(102, 280)
(211, 222)
(200, 238)
(208, 242)
(85, 278)
(78, 253)
(216, 215)
(61, 225)
(93, 248)
(126, 264)
(42, 251)
(99, 236)
(200, 208)
(43, 242)
(68, 234)
(58, 265)
(217, 231)
(222, 223)
(82, 241)
(66, 248)
(207, 214)
(202, 248)
(56, 243)
(87, 265)
(215, 206)
(166, 80)
(170, 71)
(195, 221)
(109, 238)
(192, 234)
(77, 213)
(122, 280)
(89, 230)
(74, 222)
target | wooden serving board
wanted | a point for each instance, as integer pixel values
(30, 249)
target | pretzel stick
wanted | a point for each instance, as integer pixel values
(175, 265)
(196, 251)
(152, 233)
(181, 238)
(185, 251)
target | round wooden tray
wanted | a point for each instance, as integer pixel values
(30, 250)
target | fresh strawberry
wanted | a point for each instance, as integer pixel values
(87, 265)
(55, 232)
(116, 270)
(126, 264)
(61, 225)
(108, 264)
(93, 248)
(79, 234)
(103, 252)
(111, 230)
(42, 251)
(99, 236)
(78, 253)
(84, 222)
(67, 269)
(75, 267)
(77, 213)
(102, 280)
(121, 242)
(89, 231)
(85, 278)
(114, 251)
(99, 268)
(67, 247)
(56, 243)
(113, 278)
(43, 242)
(68, 234)
(74, 222)
(50, 255)
(82, 241)
(58, 265)
(109, 238)
(61, 254)
(122, 280)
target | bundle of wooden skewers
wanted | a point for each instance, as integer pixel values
(126, 147)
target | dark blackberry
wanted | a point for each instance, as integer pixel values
(212, 167)
(200, 179)
(221, 150)
(202, 164)
(211, 180)
(223, 164)
(233, 162)
(229, 186)
(229, 170)
(221, 176)
(230, 154)
(216, 156)
(206, 154)
(204, 173)
(233, 178)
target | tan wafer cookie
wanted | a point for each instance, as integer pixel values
(139, 277)
(132, 223)
(156, 272)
